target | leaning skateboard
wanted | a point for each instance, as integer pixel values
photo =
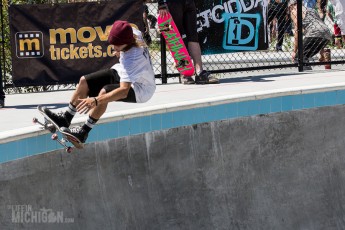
(52, 127)
(176, 46)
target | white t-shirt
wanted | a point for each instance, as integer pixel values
(339, 6)
(135, 67)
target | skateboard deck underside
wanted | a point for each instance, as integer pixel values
(73, 140)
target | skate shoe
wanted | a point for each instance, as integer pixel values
(59, 119)
(187, 80)
(76, 132)
(204, 78)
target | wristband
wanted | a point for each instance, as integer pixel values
(96, 101)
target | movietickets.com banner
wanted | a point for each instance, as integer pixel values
(57, 44)
(226, 26)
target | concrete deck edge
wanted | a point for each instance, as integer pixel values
(17, 134)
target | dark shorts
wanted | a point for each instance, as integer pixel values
(184, 15)
(108, 80)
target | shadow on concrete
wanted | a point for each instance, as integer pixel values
(260, 78)
(50, 106)
(246, 79)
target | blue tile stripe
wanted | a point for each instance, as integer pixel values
(43, 143)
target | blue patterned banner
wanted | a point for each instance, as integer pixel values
(232, 26)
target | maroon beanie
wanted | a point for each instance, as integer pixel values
(121, 33)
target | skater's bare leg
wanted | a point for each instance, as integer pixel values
(81, 92)
(94, 114)
(99, 110)
(96, 106)
(64, 119)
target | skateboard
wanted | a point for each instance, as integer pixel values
(52, 127)
(176, 46)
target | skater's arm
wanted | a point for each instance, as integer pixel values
(115, 95)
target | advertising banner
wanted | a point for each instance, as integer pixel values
(57, 44)
(232, 25)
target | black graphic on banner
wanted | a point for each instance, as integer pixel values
(232, 25)
(57, 44)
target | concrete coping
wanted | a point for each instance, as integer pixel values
(17, 134)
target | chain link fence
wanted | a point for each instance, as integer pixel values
(278, 56)
(5, 58)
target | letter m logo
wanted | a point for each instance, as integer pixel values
(29, 44)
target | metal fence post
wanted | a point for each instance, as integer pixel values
(163, 61)
(300, 35)
(2, 56)
(2, 93)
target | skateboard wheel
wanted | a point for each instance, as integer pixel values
(51, 128)
(54, 136)
(34, 120)
(69, 149)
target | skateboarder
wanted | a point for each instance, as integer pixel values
(130, 80)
